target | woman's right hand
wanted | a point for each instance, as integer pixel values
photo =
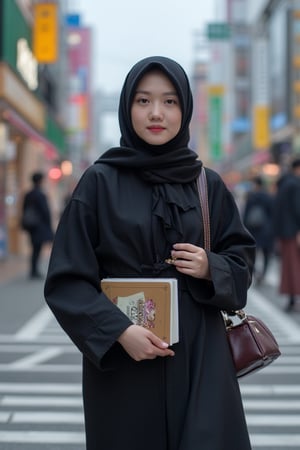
(141, 344)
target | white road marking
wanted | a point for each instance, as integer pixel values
(42, 437)
(35, 325)
(12, 400)
(270, 389)
(39, 357)
(30, 348)
(4, 417)
(41, 339)
(273, 420)
(278, 369)
(47, 417)
(45, 388)
(45, 368)
(281, 405)
(287, 326)
(275, 440)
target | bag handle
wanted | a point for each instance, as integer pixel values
(203, 196)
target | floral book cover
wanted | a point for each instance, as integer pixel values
(151, 303)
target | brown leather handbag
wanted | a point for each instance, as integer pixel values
(251, 343)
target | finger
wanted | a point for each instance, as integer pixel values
(186, 246)
(164, 353)
(157, 341)
(184, 262)
(181, 255)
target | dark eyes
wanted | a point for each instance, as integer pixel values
(171, 101)
(144, 101)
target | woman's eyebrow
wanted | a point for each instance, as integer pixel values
(141, 91)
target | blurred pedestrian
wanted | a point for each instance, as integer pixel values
(258, 218)
(287, 231)
(36, 221)
(136, 213)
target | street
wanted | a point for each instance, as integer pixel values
(40, 374)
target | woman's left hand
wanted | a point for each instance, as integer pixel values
(190, 260)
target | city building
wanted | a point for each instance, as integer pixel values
(32, 133)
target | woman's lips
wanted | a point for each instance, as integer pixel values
(156, 129)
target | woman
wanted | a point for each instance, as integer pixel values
(135, 208)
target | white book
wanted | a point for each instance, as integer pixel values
(149, 302)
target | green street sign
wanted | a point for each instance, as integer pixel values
(218, 31)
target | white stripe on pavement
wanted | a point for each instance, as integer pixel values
(35, 325)
(42, 437)
(42, 339)
(288, 327)
(36, 358)
(46, 368)
(277, 368)
(47, 417)
(273, 420)
(270, 389)
(282, 405)
(4, 417)
(289, 349)
(12, 400)
(46, 388)
(284, 359)
(275, 440)
(25, 348)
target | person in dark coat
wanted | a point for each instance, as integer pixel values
(258, 218)
(287, 232)
(36, 221)
(132, 213)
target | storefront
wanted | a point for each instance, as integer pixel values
(27, 133)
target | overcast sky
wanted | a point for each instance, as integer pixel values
(128, 30)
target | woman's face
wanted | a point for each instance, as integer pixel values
(155, 112)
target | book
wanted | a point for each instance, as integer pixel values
(149, 302)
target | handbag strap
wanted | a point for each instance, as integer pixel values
(203, 196)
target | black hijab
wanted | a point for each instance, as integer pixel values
(172, 162)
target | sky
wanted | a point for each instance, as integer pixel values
(128, 30)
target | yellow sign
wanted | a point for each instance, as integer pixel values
(261, 130)
(216, 89)
(45, 33)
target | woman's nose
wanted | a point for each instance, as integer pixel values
(156, 111)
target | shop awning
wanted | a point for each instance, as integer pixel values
(17, 121)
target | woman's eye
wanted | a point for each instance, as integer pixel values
(171, 101)
(142, 100)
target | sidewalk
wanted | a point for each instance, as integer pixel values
(17, 266)
(12, 267)
(20, 297)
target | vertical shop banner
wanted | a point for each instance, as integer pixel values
(45, 33)
(260, 100)
(219, 87)
(216, 102)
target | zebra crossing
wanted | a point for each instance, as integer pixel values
(45, 408)
(40, 386)
(271, 397)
